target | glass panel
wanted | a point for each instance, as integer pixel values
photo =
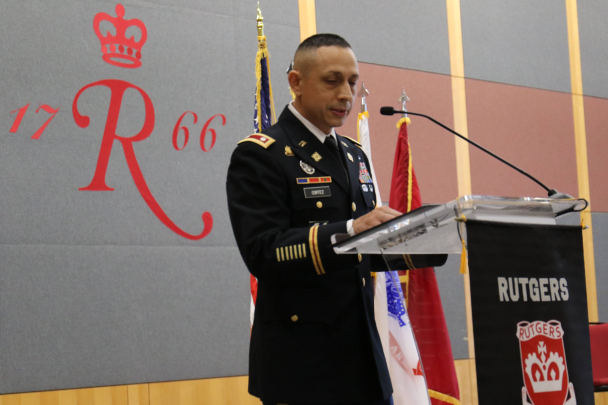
(436, 229)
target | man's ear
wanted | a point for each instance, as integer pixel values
(295, 80)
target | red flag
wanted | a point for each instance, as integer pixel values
(422, 293)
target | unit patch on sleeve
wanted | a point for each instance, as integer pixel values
(263, 140)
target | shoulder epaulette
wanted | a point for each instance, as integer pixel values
(355, 142)
(263, 140)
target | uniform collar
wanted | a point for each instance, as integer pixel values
(310, 126)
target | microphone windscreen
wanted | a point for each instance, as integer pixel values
(387, 110)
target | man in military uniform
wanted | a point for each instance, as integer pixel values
(314, 339)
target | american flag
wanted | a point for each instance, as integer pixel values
(263, 117)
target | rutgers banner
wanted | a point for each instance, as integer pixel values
(529, 314)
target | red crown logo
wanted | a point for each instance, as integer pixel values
(118, 50)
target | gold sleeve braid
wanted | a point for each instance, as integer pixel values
(292, 252)
(314, 250)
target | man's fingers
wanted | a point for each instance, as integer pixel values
(374, 218)
(389, 210)
(386, 213)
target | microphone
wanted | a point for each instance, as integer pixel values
(389, 111)
(553, 193)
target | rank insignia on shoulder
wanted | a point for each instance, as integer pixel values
(263, 140)
(302, 143)
(316, 156)
(355, 142)
(344, 143)
(308, 169)
(312, 180)
(288, 151)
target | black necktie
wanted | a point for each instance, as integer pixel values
(332, 145)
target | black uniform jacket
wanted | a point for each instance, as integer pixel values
(314, 337)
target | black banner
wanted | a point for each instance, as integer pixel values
(530, 319)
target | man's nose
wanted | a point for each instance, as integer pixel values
(346, 92)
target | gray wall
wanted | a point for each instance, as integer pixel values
(451, 288)
(94, 289)
(409, 34)
(516, 42)
(593, 32)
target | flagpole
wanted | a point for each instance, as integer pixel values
(263, 56)
(441, 381)
(363, 93)
(264, 115)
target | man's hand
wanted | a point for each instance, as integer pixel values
(376, 217)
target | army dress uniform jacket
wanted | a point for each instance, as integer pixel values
(314, 337)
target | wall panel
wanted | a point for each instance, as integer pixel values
(531, 128)
(596, 125)
(600, 241)
(516, 42)
(433, 152)
(146, 314)
(409, 34)
(95, 288)
(593, 31)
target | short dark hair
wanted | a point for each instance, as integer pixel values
(318, 40)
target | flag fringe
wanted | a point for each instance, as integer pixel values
(359, 118)
(261, 54)
(463, 255)
(409, 177)
(443, 397)
(402, 120)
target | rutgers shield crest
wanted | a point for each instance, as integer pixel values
(543, 362)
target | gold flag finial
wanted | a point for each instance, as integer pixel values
(260, 20)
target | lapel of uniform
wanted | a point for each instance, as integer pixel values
(328, 164)
(351, 166)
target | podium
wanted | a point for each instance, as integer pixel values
(435, 228)
(528, 291)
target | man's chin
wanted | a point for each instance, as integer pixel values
(338, 122)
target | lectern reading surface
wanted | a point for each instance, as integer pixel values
(434, 228)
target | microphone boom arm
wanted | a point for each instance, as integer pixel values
(549, 191)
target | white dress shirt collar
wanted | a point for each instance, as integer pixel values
(311, 127)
